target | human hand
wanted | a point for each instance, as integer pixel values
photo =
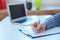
(36, 27)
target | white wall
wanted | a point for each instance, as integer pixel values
(44, 2)
(51, 2)
(10, 1)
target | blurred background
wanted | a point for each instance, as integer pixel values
(45, 3)
(48, 7)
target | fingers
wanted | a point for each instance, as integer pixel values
(38, 27)
(41, 28)
(34, 29)
(38, 30)
(34, 26)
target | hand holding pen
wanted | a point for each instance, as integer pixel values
(38, 27)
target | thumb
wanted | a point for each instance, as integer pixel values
(38, 27)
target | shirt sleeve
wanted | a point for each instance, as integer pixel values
(53, 21)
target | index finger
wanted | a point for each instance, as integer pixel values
(35, 24)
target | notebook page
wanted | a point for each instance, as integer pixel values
(28, 30)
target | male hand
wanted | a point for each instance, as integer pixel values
(36, 27)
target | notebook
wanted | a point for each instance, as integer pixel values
(28, 32)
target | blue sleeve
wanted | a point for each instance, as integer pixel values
(53, 21)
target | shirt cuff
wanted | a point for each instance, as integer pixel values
(50, 23)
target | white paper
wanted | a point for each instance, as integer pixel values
(28, 30)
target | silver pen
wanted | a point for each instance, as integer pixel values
(39, 19)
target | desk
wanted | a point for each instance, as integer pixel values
(8, 31)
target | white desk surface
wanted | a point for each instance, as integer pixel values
(8, 31)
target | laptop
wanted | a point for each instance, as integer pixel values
(18, 14)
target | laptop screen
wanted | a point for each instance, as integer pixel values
(17, 11)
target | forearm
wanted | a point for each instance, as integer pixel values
(53, 21)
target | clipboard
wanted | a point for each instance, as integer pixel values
(31, 34)
(27, 30)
